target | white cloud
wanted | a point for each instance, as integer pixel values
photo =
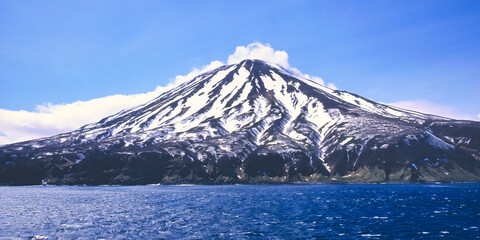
(259, 51)
(332, 86)
(179, 79)
(434, 108)
(50, 119)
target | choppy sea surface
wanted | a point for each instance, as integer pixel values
(450, 211)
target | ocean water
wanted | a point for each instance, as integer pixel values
(449, 211)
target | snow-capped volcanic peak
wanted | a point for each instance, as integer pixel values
(234, 97)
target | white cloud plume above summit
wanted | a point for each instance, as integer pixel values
(259, 51)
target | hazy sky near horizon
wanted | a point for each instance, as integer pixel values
(424, 54)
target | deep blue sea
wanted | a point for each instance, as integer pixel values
(449, 211)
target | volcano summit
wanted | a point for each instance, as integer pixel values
(251, 122)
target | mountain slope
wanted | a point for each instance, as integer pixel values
(251, 122)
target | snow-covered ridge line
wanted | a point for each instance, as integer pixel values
(206, 96)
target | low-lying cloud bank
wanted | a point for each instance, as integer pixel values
(435, 109)
(50, 119)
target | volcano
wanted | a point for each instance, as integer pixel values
(252, 122)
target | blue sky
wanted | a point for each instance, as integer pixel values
(416, 52)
